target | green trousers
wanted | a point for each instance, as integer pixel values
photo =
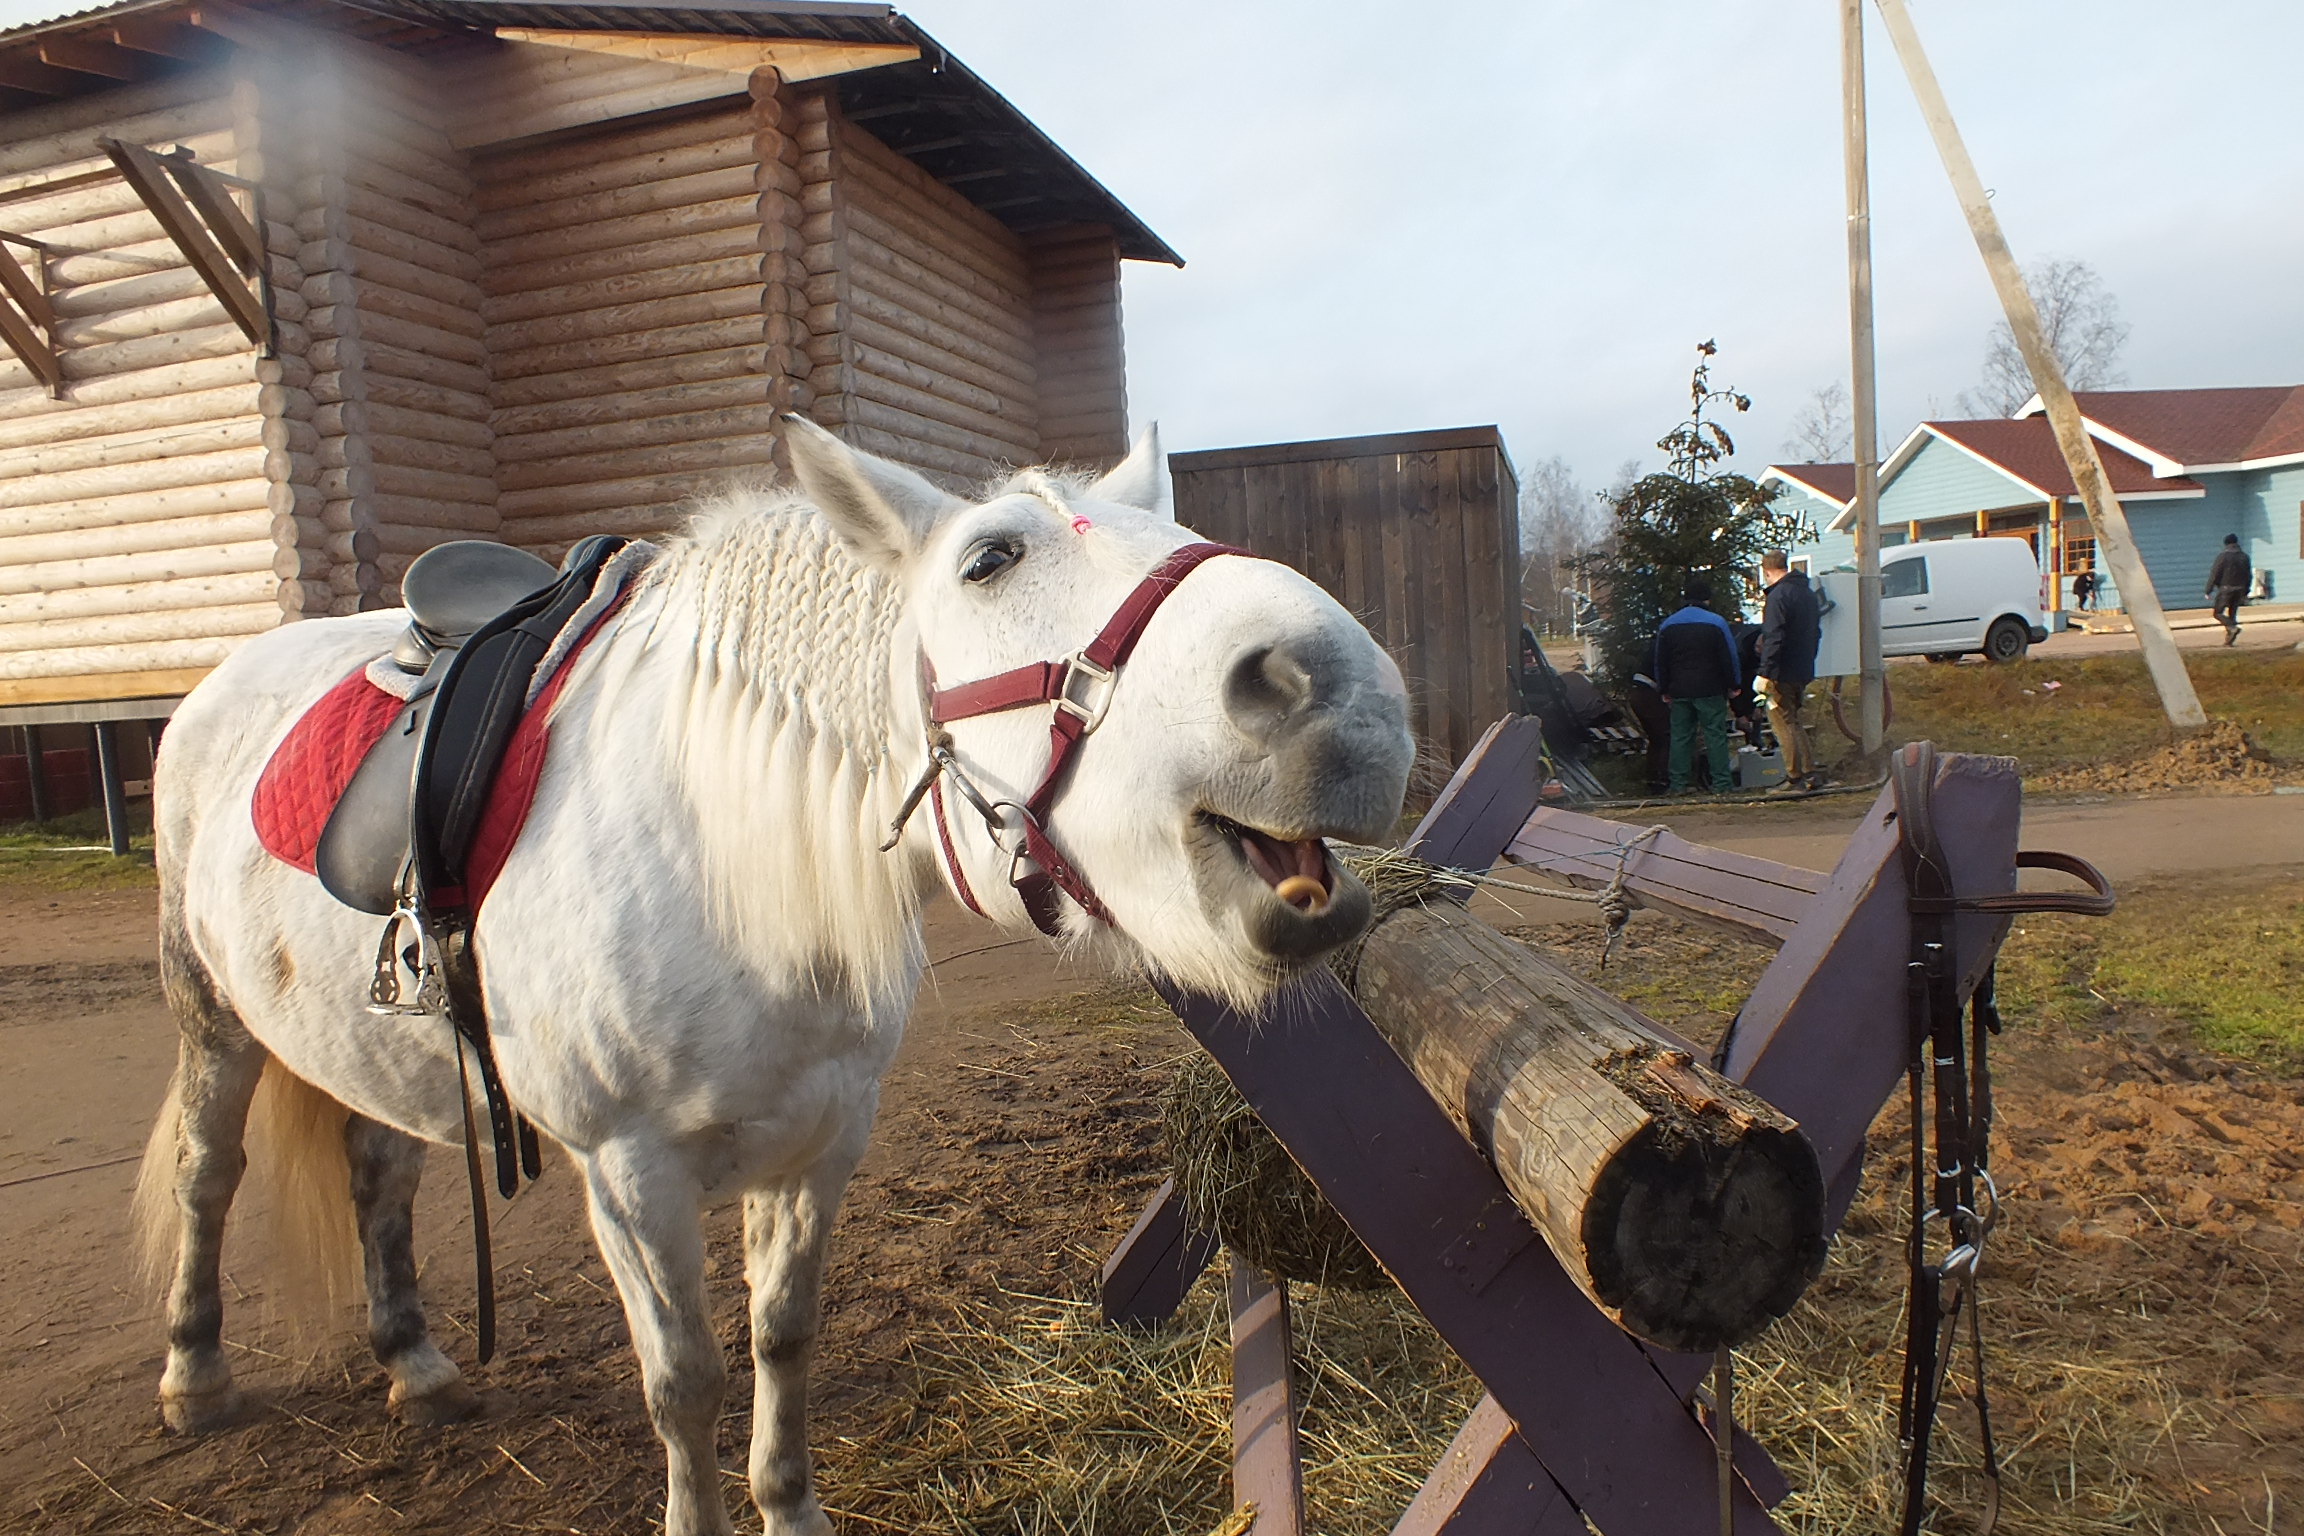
(1712, 715)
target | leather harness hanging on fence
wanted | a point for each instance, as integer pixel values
(1957, 1187)
(1080, 686)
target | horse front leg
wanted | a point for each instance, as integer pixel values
(785, 1228)
(427, 1389)
(647, 1218)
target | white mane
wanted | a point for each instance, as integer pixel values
(774, 647)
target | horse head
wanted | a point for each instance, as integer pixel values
(1251, 718)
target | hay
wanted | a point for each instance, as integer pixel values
(1037, 1420)
(1234, 1177)
(1238, 1182)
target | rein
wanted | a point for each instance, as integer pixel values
(1956, 1188)
(1080, 686)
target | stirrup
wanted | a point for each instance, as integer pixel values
(421, 957)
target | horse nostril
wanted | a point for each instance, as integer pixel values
(1266, 689)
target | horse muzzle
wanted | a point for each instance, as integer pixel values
(1294, 901)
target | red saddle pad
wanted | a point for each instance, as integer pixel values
(314, 763)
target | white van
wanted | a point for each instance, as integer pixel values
(1942, 599)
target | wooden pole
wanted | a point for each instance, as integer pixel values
(1872, 671)
(1267, 1466)
(2110, 523)
(1687, 1209)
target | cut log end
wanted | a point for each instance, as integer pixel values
(1705, 1227)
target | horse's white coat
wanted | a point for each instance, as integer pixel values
(696, 962)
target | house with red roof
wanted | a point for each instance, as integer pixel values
(2188, 466)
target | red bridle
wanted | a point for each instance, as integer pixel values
(1080, 686)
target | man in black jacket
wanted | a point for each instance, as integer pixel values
(2228, 582)
(1696, 670)
(1790, 629)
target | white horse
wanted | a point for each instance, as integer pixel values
(697, 961)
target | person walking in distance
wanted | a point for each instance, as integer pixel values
(2083, 590)
(2228, 582)
(1696, 669)
(1791, 626)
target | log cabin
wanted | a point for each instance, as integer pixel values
(293, 290)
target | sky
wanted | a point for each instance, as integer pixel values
(1528, 212)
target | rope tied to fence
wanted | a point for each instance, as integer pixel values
(1396, 879)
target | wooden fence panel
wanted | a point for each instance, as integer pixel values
(1416, 534)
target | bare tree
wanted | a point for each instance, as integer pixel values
(2081, 320)
(1559, 520)
(1823, 431)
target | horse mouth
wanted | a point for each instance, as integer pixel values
(1296, 902)
(1297, 869)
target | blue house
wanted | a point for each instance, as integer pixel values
(2188, 466)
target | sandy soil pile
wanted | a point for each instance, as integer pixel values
(2220, 757)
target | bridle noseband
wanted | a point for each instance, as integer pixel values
(1081, 687)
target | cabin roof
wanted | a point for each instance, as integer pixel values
(933, 110)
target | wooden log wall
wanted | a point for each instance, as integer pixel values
(920, 318)
(389, 268)
(1082, 373)
(136, 512)
(1416, 534)
(625, 309)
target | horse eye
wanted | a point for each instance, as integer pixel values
(986, 561)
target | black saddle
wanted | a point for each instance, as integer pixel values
(481, 617)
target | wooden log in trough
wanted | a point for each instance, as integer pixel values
(1687, 1208)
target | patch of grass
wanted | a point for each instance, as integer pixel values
(2226, 964)
(72, 853)
(2104, 710)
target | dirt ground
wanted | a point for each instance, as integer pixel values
(2158, 1209)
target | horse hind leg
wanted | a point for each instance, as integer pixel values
(427, 1388)
(218, 1066)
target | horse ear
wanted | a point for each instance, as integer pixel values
(881, 511)
(1137, 480)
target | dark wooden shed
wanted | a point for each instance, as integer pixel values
(1418, 533)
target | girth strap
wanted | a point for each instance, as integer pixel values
(1080, 686)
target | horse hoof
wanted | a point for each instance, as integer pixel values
(450, 1403)
(809, 1520)
(202, 1413)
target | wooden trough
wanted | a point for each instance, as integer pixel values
(1408, 1138)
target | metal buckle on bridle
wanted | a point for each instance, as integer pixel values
(1099, 691)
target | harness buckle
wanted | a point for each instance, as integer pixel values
(1087, 705)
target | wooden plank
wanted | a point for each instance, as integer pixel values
(29, 346)
(143, 171)
(19, 286)
(1493, 791)
(1267, 1462)
(163, 682)
(1488, 1483)
(795, 59)
(1823, 1035)
(213, 201)
(1145, 1279)
(1752, 896)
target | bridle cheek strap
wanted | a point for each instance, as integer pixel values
(1080, 686)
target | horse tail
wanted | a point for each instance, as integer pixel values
(296, 1157)
(298, 1183)
(152, 1214)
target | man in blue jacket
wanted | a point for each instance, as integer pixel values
(1696, 669)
